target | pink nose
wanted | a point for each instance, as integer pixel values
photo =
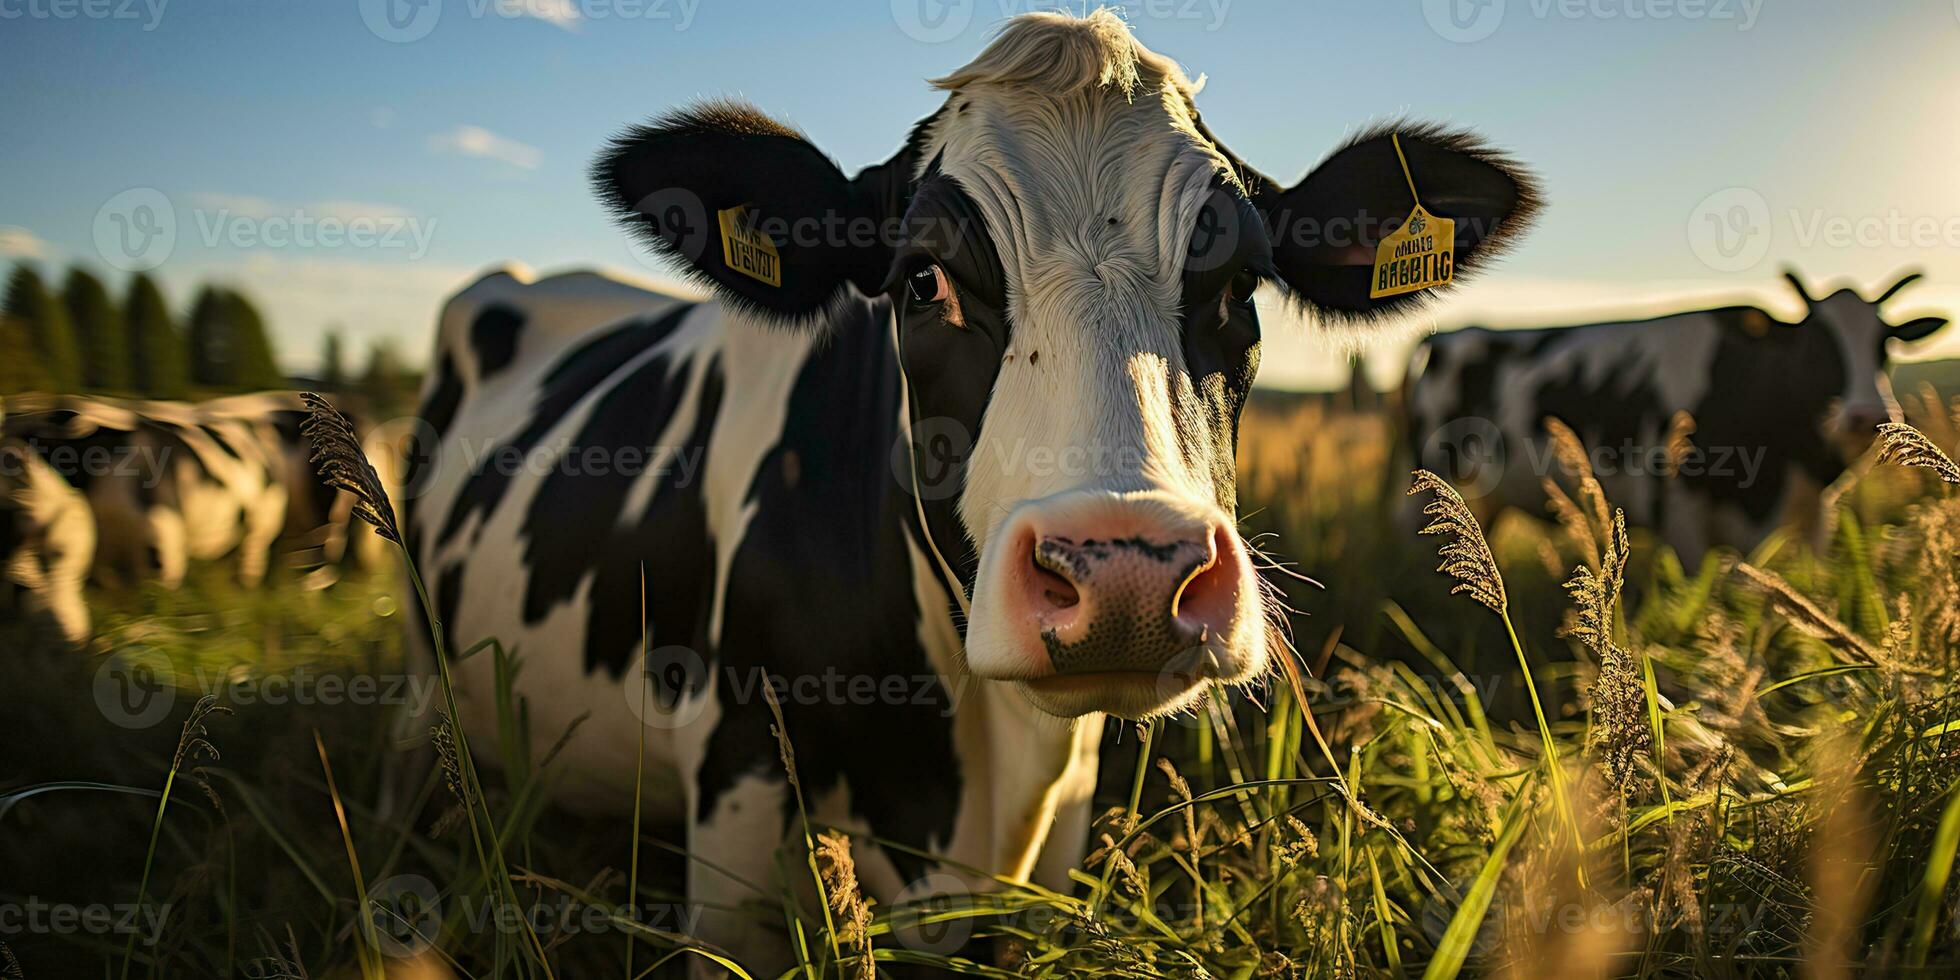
(1126, 587)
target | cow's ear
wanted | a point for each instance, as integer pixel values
(1325, 228)
(746, 205)
(1918, 329)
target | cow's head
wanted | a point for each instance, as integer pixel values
(1070, 258)
(1860, 339)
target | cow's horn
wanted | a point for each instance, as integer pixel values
(1790, 276)
(1907, 280)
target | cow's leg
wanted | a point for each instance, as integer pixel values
(168, 543)
(265, 517)
(732, 867)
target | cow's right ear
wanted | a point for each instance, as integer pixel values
(747, 206)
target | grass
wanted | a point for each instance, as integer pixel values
(1632, 770)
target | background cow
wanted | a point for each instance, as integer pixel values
(1774, 411)
(47, 542)
(965, 422)
(166, 487)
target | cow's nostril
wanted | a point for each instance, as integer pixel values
(1056, 589)
(1209, 598)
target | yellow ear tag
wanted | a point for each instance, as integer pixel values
(1421, 254)
(747, 250)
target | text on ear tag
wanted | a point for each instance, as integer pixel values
(746, 249)
(1419, 255)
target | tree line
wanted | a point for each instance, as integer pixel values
(84, 337)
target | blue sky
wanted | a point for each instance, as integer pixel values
(1823, 131)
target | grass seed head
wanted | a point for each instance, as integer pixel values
(338, 456)
(1902, 444)
(1466, 554)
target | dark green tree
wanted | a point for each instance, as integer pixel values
(388, 387)
(20, 363)
(333, 363)
(158, 357)
(229, 347)
(28, 300)
(99, 332)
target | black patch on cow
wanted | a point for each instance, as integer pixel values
(1769, 392)
(574, 526)
(820, 588)
(572, 379)
(222, 443)
(493, 336)
(1220, 330)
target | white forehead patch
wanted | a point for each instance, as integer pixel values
(1855, 325)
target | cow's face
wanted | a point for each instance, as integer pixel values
(1860, 339)
(1069, 258)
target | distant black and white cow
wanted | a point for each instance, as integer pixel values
(47, 543)
(948, 459)
(1773, 412)
(165, 485)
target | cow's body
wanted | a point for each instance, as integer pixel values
(1711, 427)
(775, 543)
(166, 486)
(947, 462)
(47, 543)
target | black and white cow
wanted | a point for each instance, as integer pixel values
(47, 544)
(1772, 412)
(166, 486)
(948, 457)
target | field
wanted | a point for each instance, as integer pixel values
(1749, 770)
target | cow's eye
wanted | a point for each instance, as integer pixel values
(1243, 286)
(928, 285)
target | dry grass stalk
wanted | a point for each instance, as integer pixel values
(1902, 444)
(1680, 441)
(1811, 619)
(1571, 455)
(337, 453)
(849, 909)
(1466, 554)
(1621, 734)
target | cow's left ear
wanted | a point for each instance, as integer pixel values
(1918, 329)
(1325, 228)
(748, 206)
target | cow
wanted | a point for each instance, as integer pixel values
(47, 544)
(943, 468)
(165, 486)
(1711, 427)
(319, 519)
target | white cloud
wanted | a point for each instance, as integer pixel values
(475, 141)
(562, 14)
(19, 243)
